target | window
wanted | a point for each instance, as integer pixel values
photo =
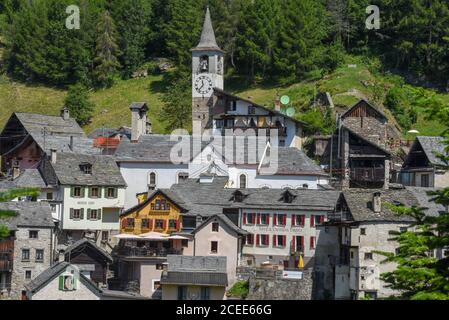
(249, 218)
(242, 181)
(156, 285)
(280, 219)
(94, 192)
(264, 240)
(53, 207)
(77, 192)
(130, 223)
(33, 234)
(298, 243)
(86, 168)
(183, 176)
(152, 179)
(205, 293)
(145, 224)
(312, 243)
(425, 180)
(299, 220)
(159, 224)
(214, 246)
(67, 282)
(204, 64)
(215, 226)
(319, 219)
(25, 254)
(94, 214)
(159, 266)
(251, 110)
(232, 105)
(182, 293)
(76, 214)
(49, 195)
(352, 254)
(173, 224)
(111, 193)
(249, 241)
(185, 243)
(363, 231)
(238, 196)
(279, 241)
(39, 255)
(104, 236)
(368, 256)
(28, 274)
(305, 186)
(264, 219)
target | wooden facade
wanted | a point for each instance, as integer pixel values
(155, 214)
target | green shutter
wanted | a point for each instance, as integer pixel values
(71, 213)
(72, 192)
(115, 193)
(83, 192)
(99, 214)
(89, 192)
(82, 214)
(74, 283)
(88, 214)
(61, 282)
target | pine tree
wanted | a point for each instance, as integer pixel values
(77, 101)
(107, 51)
(8, 196)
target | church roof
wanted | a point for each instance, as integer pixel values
(207, 41)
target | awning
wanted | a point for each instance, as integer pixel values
(178, 238)
(154, 236)
(125, 236)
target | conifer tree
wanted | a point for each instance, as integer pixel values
(77, 101)
(107, 51)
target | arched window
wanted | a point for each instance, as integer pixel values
(183, 176)
(204, 64)
(152, 179)
(305, 186)
(242, 181)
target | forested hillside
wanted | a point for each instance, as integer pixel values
(291, 46)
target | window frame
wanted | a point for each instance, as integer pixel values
(212, 244)
(33, 232)
(28, 258)
(41, 252)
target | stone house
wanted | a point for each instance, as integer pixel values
(28, 250)
(423, 167)
(194, 278)
(64, 281)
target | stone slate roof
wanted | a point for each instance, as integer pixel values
(208, 199)
(105, 171)
(154, 148)
(433, 146)
(424, 199)
(109, 132)
(30, 178)
(55, 125)
(29, 214)
(226, 221)
(359, 202)
(62, 144)
(207, 41)
(46, 276)
(376, 109)
(80, 244)
(195, 270)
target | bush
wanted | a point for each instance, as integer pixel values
(240, 289)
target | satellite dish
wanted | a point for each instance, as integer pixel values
(291, 112)
(285, 100)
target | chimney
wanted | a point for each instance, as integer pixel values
(138, 120)
(277, 103)
(53, 156)
(71, 143)
(15, 173)
(65, 113)
(377, 202)
(61, 256)
(149, 127)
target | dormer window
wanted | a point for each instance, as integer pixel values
(238, 196)
(86, 168)
(288, 197)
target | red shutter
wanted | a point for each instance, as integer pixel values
(274, 240)
(124, 223)
(257, 239)
(322, 219)
(294, 243)
(284, 219)
(303, 220)
(284, 241)
(312, 242)
(177, 225)
(164, 224)
(150, 224)
(312, 220)
(294, 220)
(244, 218)
(275, 219)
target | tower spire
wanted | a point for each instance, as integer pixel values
(208, 40)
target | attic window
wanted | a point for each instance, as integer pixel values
(238, 196)
(86, 168)
(288, 197)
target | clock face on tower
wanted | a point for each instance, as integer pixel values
(203, 85)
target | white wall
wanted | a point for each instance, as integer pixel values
(136, 176)
(109, 219)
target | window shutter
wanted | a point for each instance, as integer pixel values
(257, 239)
(275, 218)
(164, 224)
(99, 214)
(89, 216)
(303, 220)
(312, 220)
(61, 282)
(124, 223)
(258, 218)
(322, 219)
(294, 243)
(294, 220)
(82, 214)
(74, 283)
(244, 217)
(83, 192)
(312, 242)
(71, 213)
(72, 192)
(284, 219)
(115, 193)
(274, 240)
(150, 224)
(89, 192)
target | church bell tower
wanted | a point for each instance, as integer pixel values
(207, 74)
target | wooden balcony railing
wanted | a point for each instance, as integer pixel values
(5, 265)
(367, 174)
(147, 252)
(6, 246)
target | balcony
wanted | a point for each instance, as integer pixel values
(147, 252)
(6, 246)
(5, 266)
(367, 174)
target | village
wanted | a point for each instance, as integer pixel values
(117, 218)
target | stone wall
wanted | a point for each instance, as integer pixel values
(275, 288)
